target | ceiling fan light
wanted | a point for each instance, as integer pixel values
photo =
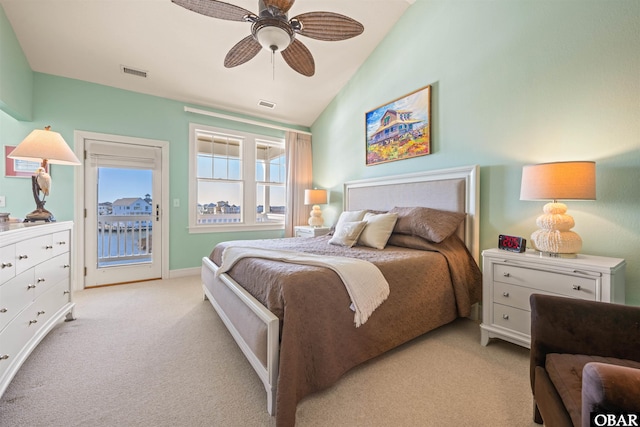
(274, 39)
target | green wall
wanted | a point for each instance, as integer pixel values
(514, 83)
(16, 77)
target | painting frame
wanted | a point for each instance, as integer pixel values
(399, 129)
(14, 168)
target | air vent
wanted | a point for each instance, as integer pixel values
(133, 71)
(267, 104)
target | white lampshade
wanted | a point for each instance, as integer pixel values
(554, 181)
(44, 144)
(559, 181)
(315, 197)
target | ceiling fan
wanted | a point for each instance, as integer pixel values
(272, 29)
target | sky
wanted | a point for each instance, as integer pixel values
(117, 183)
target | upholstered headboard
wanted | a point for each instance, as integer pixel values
(454, 189)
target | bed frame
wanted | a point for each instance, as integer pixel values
(256, 329)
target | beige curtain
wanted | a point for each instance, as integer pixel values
(299, 178)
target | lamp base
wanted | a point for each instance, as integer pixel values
(315, 217)
(39, 215)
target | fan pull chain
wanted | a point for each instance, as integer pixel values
(273, 64)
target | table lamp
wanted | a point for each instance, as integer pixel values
(554, 181)
(315, 197)
(45, 146)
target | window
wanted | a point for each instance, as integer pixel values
(237, 180)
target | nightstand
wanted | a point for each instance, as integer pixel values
(308, 231)
(510, 278)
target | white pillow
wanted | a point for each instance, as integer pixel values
(347, 234)
(378, 230)
(350, 216)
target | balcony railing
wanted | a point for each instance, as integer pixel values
(124, 239)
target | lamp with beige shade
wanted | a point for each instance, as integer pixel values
(45, 146)
(315, 197)
(554, 181)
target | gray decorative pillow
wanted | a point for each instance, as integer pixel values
(431, 224)
(347, 233)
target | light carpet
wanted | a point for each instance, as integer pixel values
(156, 354)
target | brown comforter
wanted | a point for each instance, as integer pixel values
(429, 287)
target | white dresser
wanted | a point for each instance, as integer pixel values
(510, 278)
(35, 290)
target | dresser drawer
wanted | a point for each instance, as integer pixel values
(51, 272)
(49, 303)
(15, 296)
(33, 251)
(61, 242)
(544, 281)
(7, 263)
(512, 318)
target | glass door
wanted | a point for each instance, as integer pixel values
(122, 215)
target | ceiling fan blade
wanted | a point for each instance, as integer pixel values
(243, 51)
(299, 58)
(215, 9)
(283, 5)
(328, 26)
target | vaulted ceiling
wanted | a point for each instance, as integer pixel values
(182, 52)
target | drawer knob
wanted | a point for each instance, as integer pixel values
(66, 266)
(505, 294)
(23, 256)
(66, 292)
(62, 243)
(48, 247)
(40, 280)
(3, 310)
(6, 264)
(4, 357)
(31, 322)
(506, 274)
(575, 287)
(30, 286)
(41, 312)
(505, 316)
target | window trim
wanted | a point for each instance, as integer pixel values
(248, 178)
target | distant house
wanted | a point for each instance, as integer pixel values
(105, 208)
(393, 124)
(131, 206)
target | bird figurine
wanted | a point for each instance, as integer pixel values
(44, 180)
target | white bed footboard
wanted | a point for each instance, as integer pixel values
(255, 329)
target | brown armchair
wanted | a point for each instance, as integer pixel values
(585, 357)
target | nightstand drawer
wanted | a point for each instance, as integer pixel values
(545, 281)
(512, 318)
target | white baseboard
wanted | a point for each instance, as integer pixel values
(184, 272)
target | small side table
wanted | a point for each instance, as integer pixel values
(308, 231)
(510, 278)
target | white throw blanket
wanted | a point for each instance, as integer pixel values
(364, 282)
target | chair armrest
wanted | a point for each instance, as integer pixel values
(567, 325)
(609, 388)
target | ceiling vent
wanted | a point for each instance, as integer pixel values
(267, 104)
(133, 71)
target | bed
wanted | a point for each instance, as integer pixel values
(295, 323)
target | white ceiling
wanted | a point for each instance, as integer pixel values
(183, 52)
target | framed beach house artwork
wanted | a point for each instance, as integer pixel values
(400, 129)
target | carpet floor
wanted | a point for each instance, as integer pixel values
(156, 354)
